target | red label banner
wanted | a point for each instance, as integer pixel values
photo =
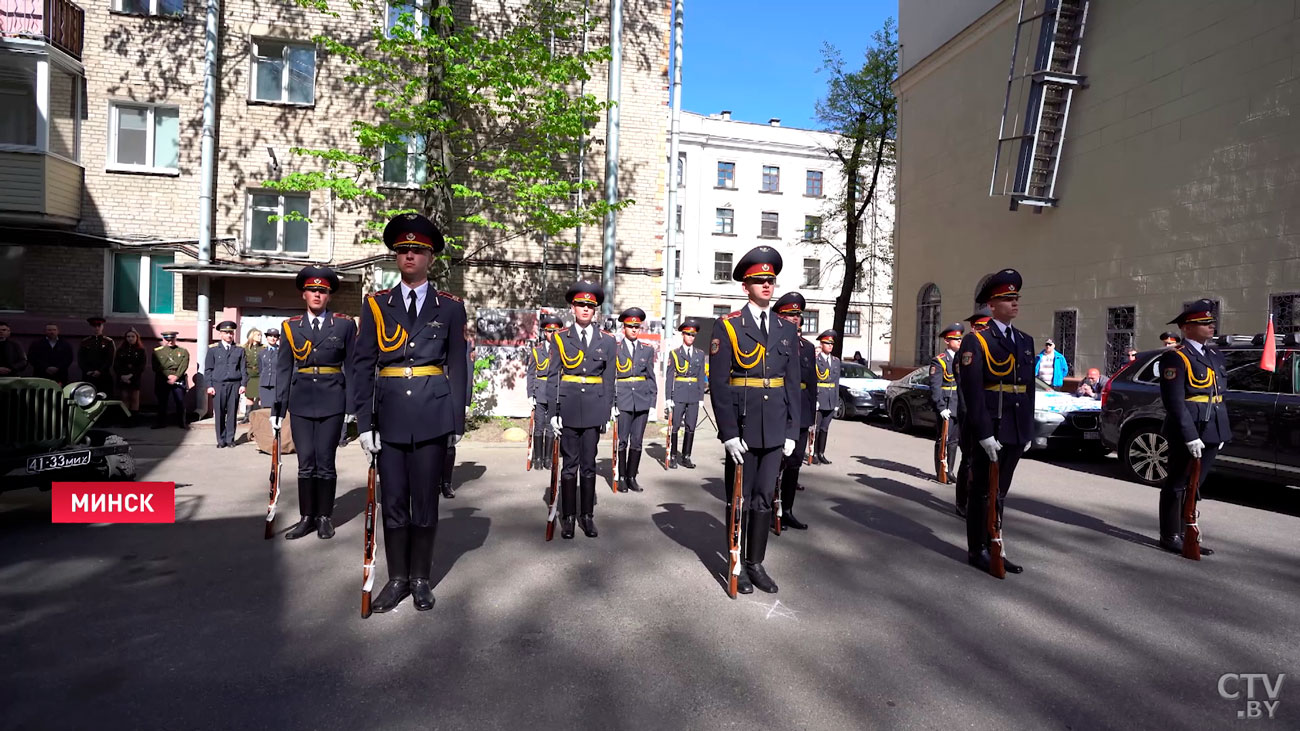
(113, 502)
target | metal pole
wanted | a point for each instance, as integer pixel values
(582, 154)
(207, 171)
(674, 142)
(611, 148)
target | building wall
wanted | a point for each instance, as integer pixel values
(1180, 177)
(924, 25)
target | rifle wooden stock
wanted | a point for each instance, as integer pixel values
(668, 455)
(553, 495)
(734, 519)
(996, 567)
(528, 463)
(368, 555)
(274, 498)
(1192, 531)
(613, 483)
(777, 504)
(809, 450)
(941, 465)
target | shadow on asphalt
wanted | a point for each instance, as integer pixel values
(890, 523)
(467, 472)
(908, 492)
(1056, 513)
(459, 532)
(892, 466)
(699, 532)
(713, 486)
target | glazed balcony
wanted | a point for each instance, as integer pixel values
(59, 23)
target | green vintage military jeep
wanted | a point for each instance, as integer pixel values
(47, 434)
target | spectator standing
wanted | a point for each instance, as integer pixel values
(1050, 365)
(171, 365)
(12, 360)
(225, 370)
(1132, 355)
(1091, 385)
(252, 347)
(128, 365)
(857, 358)
(51, 357)
(95, 357)
(266, 367)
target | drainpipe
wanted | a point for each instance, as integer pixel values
(674, 142)
(582, 155)
(206, 173)
(611, 147)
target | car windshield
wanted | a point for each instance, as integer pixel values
(1043, 385)
(854, 370)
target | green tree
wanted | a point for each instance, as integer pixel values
(485, 124)
(861, 108)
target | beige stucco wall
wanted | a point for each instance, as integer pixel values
(1180, 177)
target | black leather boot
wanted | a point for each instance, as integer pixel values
(1171, 535)
(743, 584)
(688, 442)
(587, 505)
(306, 507)
(306, 524)
(396, 552)
(756, 541)
(821, 447)
(622, 470)
(421, 557)
(326, 488)
(568, 504)
(566, 527)
(588, 524)
(673, 455)
(789, 486)
(633, 469)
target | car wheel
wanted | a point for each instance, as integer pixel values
(839, 410)
(1145, 454)
(901, 416)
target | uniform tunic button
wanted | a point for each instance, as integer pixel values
(764, 397)
(408, 393)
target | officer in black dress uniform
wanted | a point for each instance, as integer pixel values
(979, 322)
(995, 376)
(226, 374)
(408, 388)
(540, 375)
(790, 308)
(95, 357)
(756, 402)
(583, 398)
(944, 398)
(636, 391)
(686, 372)
(311, 385)
(1196, 418)
(828, 392)
(267, 358)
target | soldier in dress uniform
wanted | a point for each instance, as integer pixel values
(408, 387)
(636, 391)
(1196, 418)
(790, 308)
(95, 357)
(944, 398)
(540, 375)
(310, 384)
(687, 370)
(226, 375)
(756, 403)
(828, 393)
(171, 364)
(995, 376)
(583, 397)
(979, 322)
(266, 363)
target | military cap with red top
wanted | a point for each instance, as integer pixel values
(411, 230)
(1200, 312)
(632, 316)
(317, 279)
(954, 331)
(690, 325)
(760, 261)
(828, 336)
(790, 303)
(95, 321)
(1002, 285)
(585, 293)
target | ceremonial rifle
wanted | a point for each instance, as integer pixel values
(368, 557)
(941, 466)
(668, 457)
(1192, 531)
(613, 484)
(274, 498)
(777, 514)
(996, 566)
(552, 497)
(811, 431)
(528, 463)
(734, 519)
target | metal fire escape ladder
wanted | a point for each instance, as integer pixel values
(1043, 77)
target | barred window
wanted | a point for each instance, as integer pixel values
(1065, 328)
(928, 301)
(1285, 309)
(1120, 325)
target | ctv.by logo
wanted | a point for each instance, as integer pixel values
(1250, 687)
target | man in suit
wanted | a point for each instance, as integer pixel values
(790, 308)
(171, 365)
(311, 385)
(408, 387)
(226, 373)
(756, 403)
(687, 370)
(540, 375)
(828, 392)
(95, 357)
(266, 364)
(1196, 418)
(583, 396)
(12, 360)
(995, 376)
(944, 398)
(636, 391)
(51, 357)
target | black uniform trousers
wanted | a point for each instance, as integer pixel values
(1180, 473)
(977, 533)
(449, 465)
(685, 414)
(954, 437)
(541, 419)
(790, 465)
(225, 408)
(824, 419)
(316, 441)
(631, 429)
(172, 395)
(968, 449)
(408, 481)
(762, 467)
(578, 449)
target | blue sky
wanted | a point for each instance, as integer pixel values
(759, 58)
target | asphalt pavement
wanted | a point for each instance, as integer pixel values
(879, 622)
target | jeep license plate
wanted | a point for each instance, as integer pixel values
(1092, 435)
(47, 462)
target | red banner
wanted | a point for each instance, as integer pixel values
(113, 502)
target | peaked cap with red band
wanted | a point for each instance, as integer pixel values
(1200, 312)
(690, 325)
(980, 318)
(828, 336)
(413, 230)
(1005, 284)
(760, 261)
(585, 293)
(954, 330)
(632, 316)
(320, 279)
(551, 321)
(790, 303)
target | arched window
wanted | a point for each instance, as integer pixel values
(927, 322)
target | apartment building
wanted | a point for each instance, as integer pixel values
(742, 184)
(100, 169)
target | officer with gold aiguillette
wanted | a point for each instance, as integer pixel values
(756, 402)
(540, 375)
(636, 391)
(409, 389)
(944, 398)
(828, 393)
(311, 385)
(683, 391)
(790, 308)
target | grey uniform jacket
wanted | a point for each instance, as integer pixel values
(637, 387)
(587, 399)
(828, 397)
(684, 382)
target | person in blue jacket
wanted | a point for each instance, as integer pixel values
(1050, 365)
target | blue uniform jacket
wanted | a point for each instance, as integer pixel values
(763, 417)
(1191, 389)
(635, 395)
(943, 383)
(682, 366)
(225, 365)
(316, 395)
(540, 373)
(997, 386)
(583, 405)
(807, 384)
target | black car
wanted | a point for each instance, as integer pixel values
(1263, 407)
(862, 392)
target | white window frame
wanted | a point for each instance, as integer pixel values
(419, 8)
(411, 153)
(152, 12)
(253, 56)
(146, 284)
(43, 66)
(762, 180)
(806, 283)
(114, 106)
(855, 317)
(279, 226)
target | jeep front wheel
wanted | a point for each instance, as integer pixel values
(1145, 454)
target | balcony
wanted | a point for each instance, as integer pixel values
(39, 189)
(57, 22)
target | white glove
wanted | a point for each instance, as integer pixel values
(276, 421)
(991, 447)
(454, 440)
(1196, 446)
(556, 425)
(668, 404)
(349, 418)
(787, 449)
(1028, 446)
(946, 414)
(370, 441)
(735, 448)
(532, 401)
(613, 413)
(1220, 445)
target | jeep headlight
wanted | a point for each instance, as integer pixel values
(84, 395)
(1044, 416)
